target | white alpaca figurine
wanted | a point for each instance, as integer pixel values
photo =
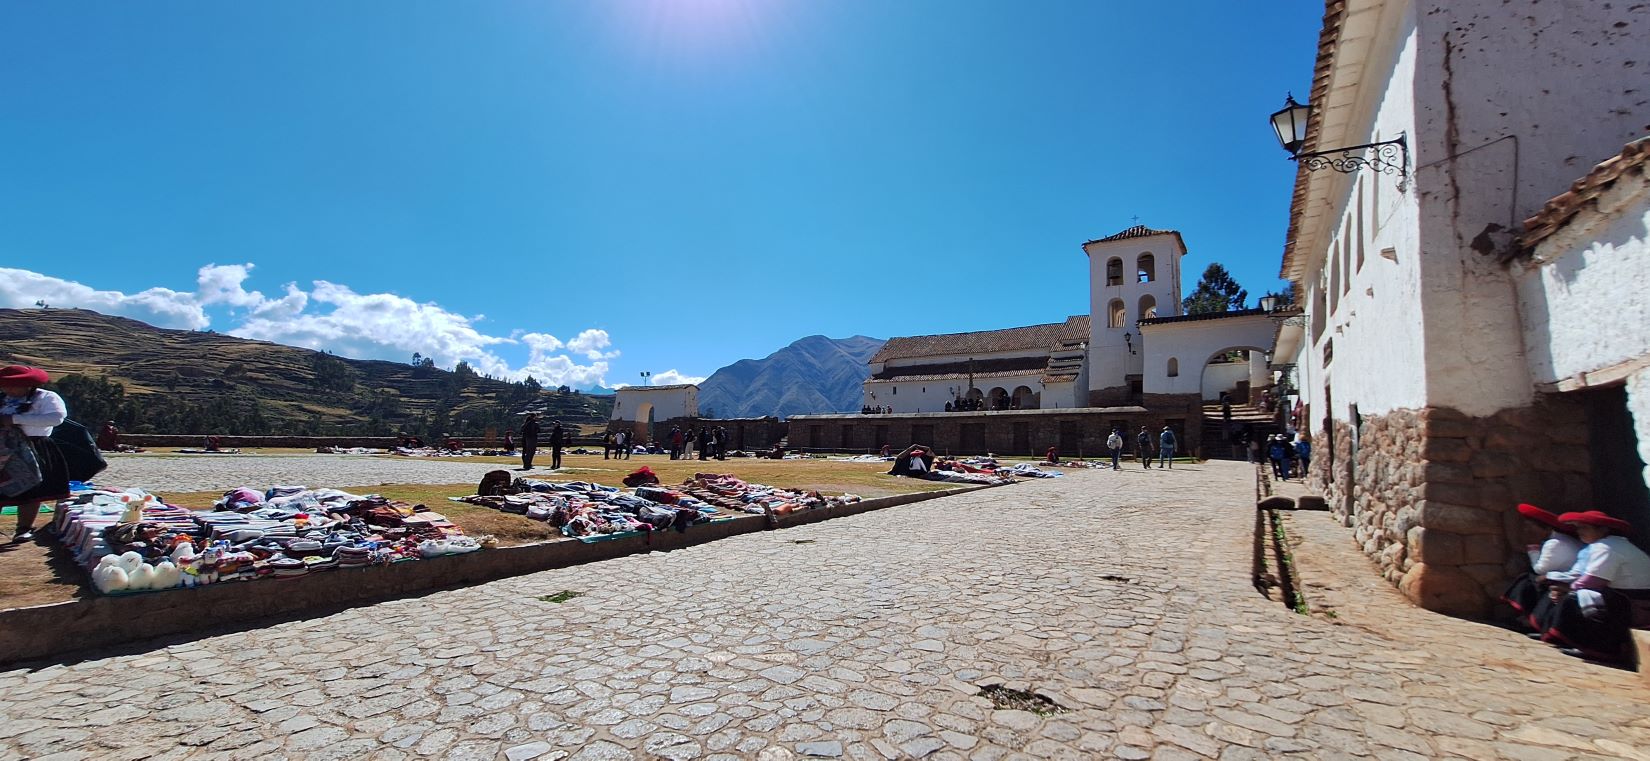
(142, 578)
(183, 553)
(109, 576)
(167, 575)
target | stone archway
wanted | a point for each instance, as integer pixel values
(1230, 370)
(1024, 398)
(997, 399)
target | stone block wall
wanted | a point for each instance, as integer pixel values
(1431, 494)
(1077, 433)
(743, 433)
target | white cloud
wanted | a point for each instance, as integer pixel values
(672, 378)
(591, 342)
(329, 316)
(20, 289)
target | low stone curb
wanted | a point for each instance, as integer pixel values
(47, 631)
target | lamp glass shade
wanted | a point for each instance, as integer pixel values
(1268, 303)
(1289, 123)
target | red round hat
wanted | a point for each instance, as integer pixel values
(1542, 517)
(23, 374)
(1596, 518)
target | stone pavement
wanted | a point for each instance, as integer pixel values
(1125, 597)
(218, 472)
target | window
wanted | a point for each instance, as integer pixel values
(1346, 255)
(1360, 230)
(1115, 314)
(1334, 276)
(1174, 367)
(1148, 307)
(1114, 271)
(895, 392)
(1145, 268)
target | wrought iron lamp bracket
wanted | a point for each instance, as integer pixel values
(1386, 157)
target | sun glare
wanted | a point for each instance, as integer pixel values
(678, 27)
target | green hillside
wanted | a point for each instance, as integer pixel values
(153, 380)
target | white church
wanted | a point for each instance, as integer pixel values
(1136, 347)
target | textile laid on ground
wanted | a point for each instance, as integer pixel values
(592, 512)
(429, 452)
(131, 540)
(206, 451)
(729, 492)
(350, 450)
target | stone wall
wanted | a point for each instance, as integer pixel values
(1012, 433)
(743, 433)
(169, 441)
(1431, 494)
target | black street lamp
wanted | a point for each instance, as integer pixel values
(1387, 156)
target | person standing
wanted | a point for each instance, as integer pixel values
(1165, 448)
(1143, 443)
(607, 445)
(558, 437)
(529, 440)
(108, 439)
(704, 441)
(1114, 442)
(721, 443)
(28, 413)
(675, 442)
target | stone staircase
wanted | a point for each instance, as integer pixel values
(1215, 445)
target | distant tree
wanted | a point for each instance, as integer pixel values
(1216, 292)
(418, 359)
(532, 385)
(563, 390)
(1285, 295)
(331, 373)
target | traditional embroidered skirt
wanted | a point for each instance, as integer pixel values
(54, 475)
(1603, 635)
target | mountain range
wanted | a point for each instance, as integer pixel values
(155, 380)
(812, 375)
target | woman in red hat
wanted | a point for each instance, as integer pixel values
(28, 413)
(1557, 553)
(1605, 595)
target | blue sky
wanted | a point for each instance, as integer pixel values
(593, 189)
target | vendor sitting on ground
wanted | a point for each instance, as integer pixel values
(1052, 457)
(1604, 595)
(108, 438)
(1557, 553)
(915, 460)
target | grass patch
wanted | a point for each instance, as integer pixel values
(560, 597)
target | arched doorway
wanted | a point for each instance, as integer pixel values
(974, 395)
(998, 399)
(1024, 399)
(1236, 370)
(644, 422)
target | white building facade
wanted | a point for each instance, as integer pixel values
(1414, 357)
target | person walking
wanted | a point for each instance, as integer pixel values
(624, 446)
(28, 413)
(558, 438)
(1114, 442)
(1143, 447)
(1165, 448)
(1278, 451)
(1303, 451)
(529, 440)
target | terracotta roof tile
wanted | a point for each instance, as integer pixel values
(1138, 231)
(1046, 337)
(1334, 12)
(1584, 192)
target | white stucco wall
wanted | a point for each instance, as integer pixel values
(631, 402)
(1223, 377)
(1370, 312)
(1109, 359)
(931, 395)
(1564, 79)
(1585, 294)
(1193, 343)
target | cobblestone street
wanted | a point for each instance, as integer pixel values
(1124, 597)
